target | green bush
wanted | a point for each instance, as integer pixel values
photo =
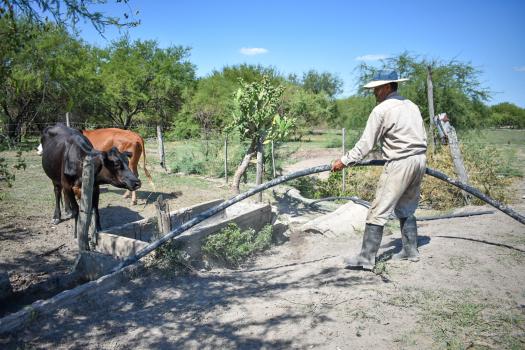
(232, 246)
(189, 164)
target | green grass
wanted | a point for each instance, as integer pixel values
(462, 319)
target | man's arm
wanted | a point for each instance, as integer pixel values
(369, 138)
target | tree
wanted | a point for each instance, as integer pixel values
(50, 74)
(65, 13)
(324, 82)
(141, 78)
(307, 109)
(256, 119)
(457, 88)
(507, 115)
(209, 108)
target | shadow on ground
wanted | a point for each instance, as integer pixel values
(190, 311)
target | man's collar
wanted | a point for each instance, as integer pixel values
(394, 95)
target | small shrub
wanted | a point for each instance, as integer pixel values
(172, 259)
(189, 164)
(232, 246)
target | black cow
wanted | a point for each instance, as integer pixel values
(64, 150)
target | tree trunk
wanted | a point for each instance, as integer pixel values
(242, 167)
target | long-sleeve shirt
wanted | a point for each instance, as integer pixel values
(397, 124)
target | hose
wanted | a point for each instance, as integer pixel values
(176, 234)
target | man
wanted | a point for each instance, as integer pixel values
(397, 124)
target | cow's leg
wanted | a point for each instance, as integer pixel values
(94, 203)
(73, 206)
(58, 194)
(67, 208)
(133, 167)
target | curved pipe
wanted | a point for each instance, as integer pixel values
(177, 232)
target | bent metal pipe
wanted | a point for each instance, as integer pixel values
(177, 233)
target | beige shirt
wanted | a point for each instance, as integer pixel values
(397, 124)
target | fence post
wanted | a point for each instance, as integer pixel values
(273, 161)
(163, 217)
(85, 210)
(226, 159)
(459, 166)
(344, 172)
(260, 161)
(67, 119)
(162, 155)
(430, 96)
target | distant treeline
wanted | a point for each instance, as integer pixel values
(45, 71)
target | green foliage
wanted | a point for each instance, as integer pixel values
(46, 75)
(456, 85)
(232, 246)
(307, 109)
(507, 115)
(325, 82)
(256, 110)
(65, 13)
(141, 78)
(6, 174)
(354, 111)
(189, 164)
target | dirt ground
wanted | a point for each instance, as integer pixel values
(466, 293)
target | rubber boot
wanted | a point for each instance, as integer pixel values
(409, 238)
(371, 241)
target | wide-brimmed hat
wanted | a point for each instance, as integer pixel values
(383, 77)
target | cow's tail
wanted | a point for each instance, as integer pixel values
(144, 164)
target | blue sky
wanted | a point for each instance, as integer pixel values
(335, 35)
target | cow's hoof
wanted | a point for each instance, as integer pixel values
(55, 221)
(133, 202)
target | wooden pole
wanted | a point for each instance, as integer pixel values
(67, 119)
(226, 160)
(273, 161)
(430, 95)
(163, 217)
(457, 159)
(260, 161)
(162, 155)
(85, 211)
(344, 172)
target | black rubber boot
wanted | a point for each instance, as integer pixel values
(409, 238)
(371, 241)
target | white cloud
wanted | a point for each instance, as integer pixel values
(252, 51)
(375, 57)
(519, 69)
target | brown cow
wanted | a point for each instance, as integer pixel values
(124, 141)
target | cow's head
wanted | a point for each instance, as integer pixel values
(115, 170)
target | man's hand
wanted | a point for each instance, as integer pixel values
(337, 165)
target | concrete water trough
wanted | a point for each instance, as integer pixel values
(127, 240)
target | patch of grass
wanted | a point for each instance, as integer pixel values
(463, 319)
(231, 246)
